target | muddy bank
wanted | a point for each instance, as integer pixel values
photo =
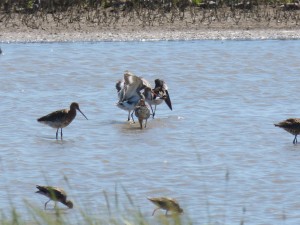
(111, 25)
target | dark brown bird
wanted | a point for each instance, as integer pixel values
(61, 118)
(292, 126)
(167, 204)
(55, 194)
(142, 112)
(157, 95)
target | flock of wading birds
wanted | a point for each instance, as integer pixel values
(135, 96)
(132, 99)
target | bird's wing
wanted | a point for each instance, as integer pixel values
(55, 116)
(290, 123)
(59, 192)
(121, 89)
(133, 85)
(168, 99)
(161, 87)
(119, 85)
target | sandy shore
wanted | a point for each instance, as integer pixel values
(150, 35)
(35, 28)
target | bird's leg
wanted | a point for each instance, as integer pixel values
(132, 116)
(152, 111)
(128, 115)
(166, 212)
(57, 133)
(155, 211)
(295, 139)
(145, 123)
(141, 123)
(47, 203)
(61, 134)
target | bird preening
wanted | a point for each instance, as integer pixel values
(61, 118)
(157, 95)
(130, 95)
(129, 92)
(55, 194)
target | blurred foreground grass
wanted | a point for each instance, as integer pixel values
(58, 217)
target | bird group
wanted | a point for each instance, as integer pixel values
(130, 97)
(136, 96)
(59, 195)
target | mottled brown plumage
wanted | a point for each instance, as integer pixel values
(55, 194)
(142, 112)
(168, 204)
(61, 118)
(292, 126)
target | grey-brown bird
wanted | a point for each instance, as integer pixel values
(168, 204)
(129, 92)
(292, 126)
(61, 118)
(142, 112)
(55, 194)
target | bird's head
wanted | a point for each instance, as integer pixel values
(69, 204)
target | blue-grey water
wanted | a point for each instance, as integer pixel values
(218, 152)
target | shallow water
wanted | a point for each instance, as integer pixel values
(218, 152)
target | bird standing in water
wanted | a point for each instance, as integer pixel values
(157, 95)
(142, 112)
(55, 194)
(129, 92)
(61, 118)
(292, 126)
(168, 204)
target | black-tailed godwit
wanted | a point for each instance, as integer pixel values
(142, 112)
(292, 126)
(55, 194)
(157, 95)
(129, 92)
(61, 118)
(168, 204)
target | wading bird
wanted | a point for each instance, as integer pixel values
(142, 112)
(292, 126)
(167, 204)
(55, 194)
(157, 95)
(61, 118)
(129, 92)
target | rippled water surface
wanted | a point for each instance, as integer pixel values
(218, 152)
